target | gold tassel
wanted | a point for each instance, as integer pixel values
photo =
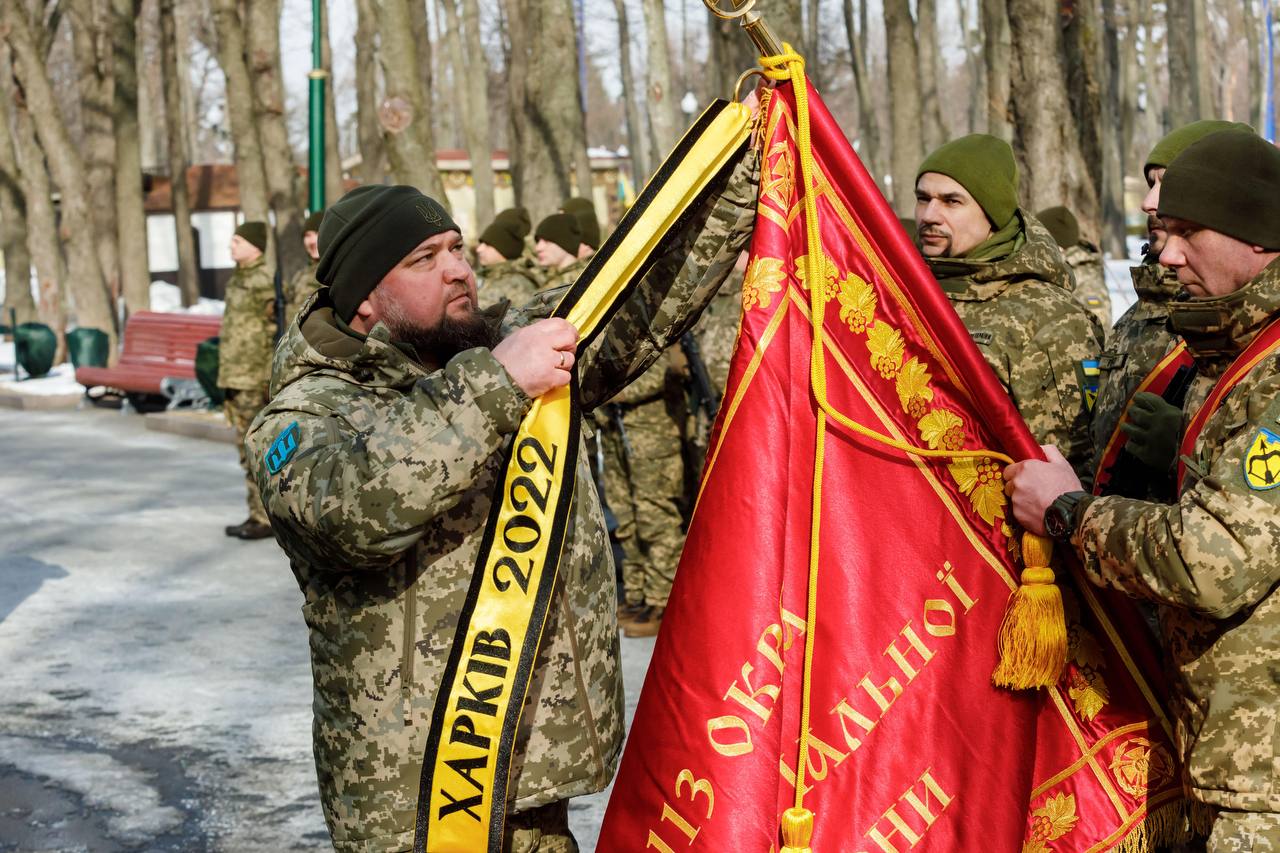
(797, 829)
(1033, 635)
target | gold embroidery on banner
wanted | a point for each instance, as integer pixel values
(981, 480)
(913, 389)
(1085, 682)
(1140, 766)
(830, 277)
(1050, 822)
(857, 304)
(777, 181)
(763, 279)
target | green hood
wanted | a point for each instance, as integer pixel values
(1036, 256)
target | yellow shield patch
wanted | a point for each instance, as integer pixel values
(1262, 461)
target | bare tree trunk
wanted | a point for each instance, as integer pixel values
(475, 85)
(250, 171)
(977, 77)
(869, 128)
(904, 104)
(13, 227)
(635, 125)
(582, 158)
(996, 55)
(662, 99)
(188, 263)
(1082, 51)
(1046, 138)
(546, 115)
(935, 130)
(814, 68)
(85, 276)
(1111, 134)
(333, 187)
(368, 130)
(1156, 113)
(1189, 95)
(1252, 39)
(131, 220)
(406, 121)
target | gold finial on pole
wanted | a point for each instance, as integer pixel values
(766, 42)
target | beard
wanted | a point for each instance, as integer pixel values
(444, 340)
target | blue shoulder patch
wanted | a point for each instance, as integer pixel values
(280, 451)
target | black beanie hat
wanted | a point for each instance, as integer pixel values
(255, 233)
(585, 212)
(507, 232)
(563, 230)
(367, 232)
(1228, 182)
(313, 222)
(1062, 224)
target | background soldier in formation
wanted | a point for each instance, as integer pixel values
(244, 355)
(1008, 282)
(304, 283)
(584, 211)
(1085, 261)
(556, 243)
(504, 272)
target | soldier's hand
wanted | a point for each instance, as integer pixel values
(1032, 485)
(540, 356)
(1154, 427)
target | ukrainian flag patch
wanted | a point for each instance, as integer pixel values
(1089, 374)
(283, 448)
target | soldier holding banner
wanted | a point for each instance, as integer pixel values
(1211, 559)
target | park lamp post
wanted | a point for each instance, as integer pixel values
(315, 159)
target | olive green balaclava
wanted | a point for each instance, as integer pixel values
(984, 166)
(1228, 182)
(255, 233)
(507, 232)
(1175, 142)
(562, 229)
(367, 232)
(585, 212)
(1062, 224)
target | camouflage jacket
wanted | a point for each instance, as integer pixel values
(717, 330)
(1091, 281)
(248, 328)
(301, 286)
(559, 278)
(382, 508)
(1139, 339)
(1033, 334)
(515, 281)
(1213, 557)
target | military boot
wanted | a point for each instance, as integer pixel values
(249, 529)
(646, 624)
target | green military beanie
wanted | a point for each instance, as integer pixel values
(1062, 225)
(1174, 143)
(585, 212)
(562, 229)
(313, 222)
(984, 166)
(367, 232)
(507, 232)
(1228, 182)
(255, 233)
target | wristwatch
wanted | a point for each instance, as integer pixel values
(1060, 517)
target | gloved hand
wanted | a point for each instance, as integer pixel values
(1154, 428)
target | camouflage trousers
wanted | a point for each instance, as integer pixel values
(1245, 832)
(644, 484)
(241, 407)
(541, 830)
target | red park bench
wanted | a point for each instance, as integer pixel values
(156, 346)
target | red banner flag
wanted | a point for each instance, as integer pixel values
(909, 746)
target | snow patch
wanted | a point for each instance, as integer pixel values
(167, 298)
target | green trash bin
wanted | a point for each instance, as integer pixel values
(207, 369)
(88, 347)
(34, 346)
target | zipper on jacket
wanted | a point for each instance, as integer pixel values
(410, 616)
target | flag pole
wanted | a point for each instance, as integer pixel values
(763, 38)
(315, 159)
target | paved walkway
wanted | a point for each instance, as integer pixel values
(156, 690)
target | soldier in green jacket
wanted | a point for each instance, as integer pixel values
(556, 243)
(1085, 261)
(394, 401)
(1008, 282)
(1211, 559)
(503, 271)
(244, 355)
(304, 283)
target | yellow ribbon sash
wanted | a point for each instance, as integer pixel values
(463, 794)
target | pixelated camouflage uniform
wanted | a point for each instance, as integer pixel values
(301, 286)
(1140, 338)
(1213, 559)
(644, 479)
(382, 510)
(559, 278)
(1032, 333)
(244, 359)
(1091, 281)
(717, 334)
(515, 281)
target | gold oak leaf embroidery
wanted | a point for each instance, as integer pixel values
(1051, 821)
(830, 276)
(857, 304)
(913, 387)
(764, 277)
(942, 428)
(1088, 692)
(983, 482)
(887, 347)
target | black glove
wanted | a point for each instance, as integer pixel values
(1154, 428)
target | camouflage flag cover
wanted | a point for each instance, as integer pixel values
(911, 747)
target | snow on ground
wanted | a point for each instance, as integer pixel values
(167, 298)
(60, 380)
